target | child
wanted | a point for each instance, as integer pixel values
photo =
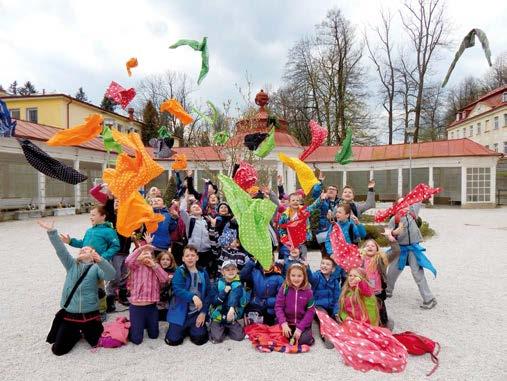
(357, 300)
(226, 247)
(211, 205)
(166, 260)
(224, 217)
(358, 208)
(226, 308)
(190, 302)
(375, 264)
(265, 285)
(162, 236)
(289, 215)
(145, 279)
(293, 257)
(405, 231)
(81, 315)
(351, 231)
(295, 306)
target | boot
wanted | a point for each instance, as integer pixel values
(122, 296)
(110, 300)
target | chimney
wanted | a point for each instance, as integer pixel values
(43, 91)
(131, 113)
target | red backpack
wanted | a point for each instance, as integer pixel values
(419, 345)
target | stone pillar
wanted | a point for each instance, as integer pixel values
(41, 191)
(400, 182)
(372, 175)
(492, 184)
(344, 178)
(430, 182)
(77, 188)
(463, 185)
(291, 182)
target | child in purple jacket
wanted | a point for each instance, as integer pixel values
(295, 306)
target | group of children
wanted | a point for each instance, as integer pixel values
(194, 273)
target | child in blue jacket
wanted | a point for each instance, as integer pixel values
(352, 230)
(162, 236)
(190, 303)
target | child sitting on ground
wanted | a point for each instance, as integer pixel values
(226, 247)
(190, 302)
(265, 285)
(227, 305)
(357, 300)
(295, 307)
(166, 260)
(375, 264)
(145, 278)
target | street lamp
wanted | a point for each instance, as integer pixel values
(410, 136)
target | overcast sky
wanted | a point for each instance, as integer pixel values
(62, 45)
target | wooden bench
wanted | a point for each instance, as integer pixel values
(383, 197)
(442, 200)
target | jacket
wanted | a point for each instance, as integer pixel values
(221, 301)
(354, 311)
(196, 229)
(102, 238)
(359, 208)
(286, 217)
(264, 286)
(162, 236)
(326, 292)
(346, 226)
(410, 233)
(144, 282)
(85, 298)
(295, 307)
(178, 306)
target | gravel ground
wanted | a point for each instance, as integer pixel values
(468, 252)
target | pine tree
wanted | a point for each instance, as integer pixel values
(28, 89)
(13, 88)
(2, 89)
(150, 119)
(81, 96)
(107, 104)
(170, 191)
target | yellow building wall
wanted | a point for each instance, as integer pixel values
(50, 110)
(79, 111)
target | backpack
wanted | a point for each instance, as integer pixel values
(419, 345)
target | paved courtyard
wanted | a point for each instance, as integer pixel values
(469, 253)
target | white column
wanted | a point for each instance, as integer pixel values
(279, 170)
(463, 185)
(492, 184)
(344, 178)
(430, 182)
(77, 188)
(196, 185)
(372, 176)
(41, 191)
(291, 181)
(400, 182)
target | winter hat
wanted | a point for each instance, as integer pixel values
(228, 263)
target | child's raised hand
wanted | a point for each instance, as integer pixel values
(197, 301)
(354, 218)
(149, 262)
(190, 173)
(48, 224)
(65, 238)
(148, 238)
(286, 330)
(279, 179)
(371, 183)
(212, 221)
(231, 314)
(323, 196)
(321, 176)
(96, 257)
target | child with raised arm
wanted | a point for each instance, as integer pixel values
(295, 306)
(189, 305)
(81, 316)
(352, 230)
(226, 305)
(145, 280)
(357, 300)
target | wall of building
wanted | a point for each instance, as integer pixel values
(50, 111)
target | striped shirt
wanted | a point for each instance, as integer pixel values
(144, 282)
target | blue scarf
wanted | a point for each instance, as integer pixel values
(418, 251)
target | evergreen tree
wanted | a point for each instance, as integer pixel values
(107, 104)
(150, 119)
(13, 88)
(81, 96)
(170, 191)
(2, 88)
(28, 89)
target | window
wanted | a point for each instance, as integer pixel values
(479, 128)
(120, 127)
(471, 131)
(495, 126)
(15, 114)
(504, 97)
(505, 120)
(31, 115)
(504, 147)
(478, 185)
(464, 132)
(452, 135)
(109, 122)
(486, 125)
(495, 147)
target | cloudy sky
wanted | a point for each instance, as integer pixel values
(61, 45)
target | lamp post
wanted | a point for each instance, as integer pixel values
(410, 135)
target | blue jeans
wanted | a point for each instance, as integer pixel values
(142, 317)
(176, 333)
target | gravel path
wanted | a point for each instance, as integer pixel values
(469, 254)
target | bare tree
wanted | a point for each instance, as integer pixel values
(425, 24)
(405, 92)
(382, 57)
(433, 122)
(497, 75)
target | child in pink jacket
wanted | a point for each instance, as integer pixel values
(145, 279)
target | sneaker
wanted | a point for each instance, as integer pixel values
(328, 344)
(429, 305)
(389, 294)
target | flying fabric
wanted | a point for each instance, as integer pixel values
(296, 230)
(305, 175)
(180, 162)
(198, 46)
(245, 176)
(420, 193)
(345, 155)
(319, 135)
(7, 125)
(346, 255)
(253, 216)
(163, 132)
(267, 338)
(109, 143)
(220, 138)
(267, 145)
(468, 42)
(78, 134)
(45, 164)
(130, 64)
(211, 120)
(362, 346)
(173, 107)
(118, 94)
(252, 141)
(133, 213)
